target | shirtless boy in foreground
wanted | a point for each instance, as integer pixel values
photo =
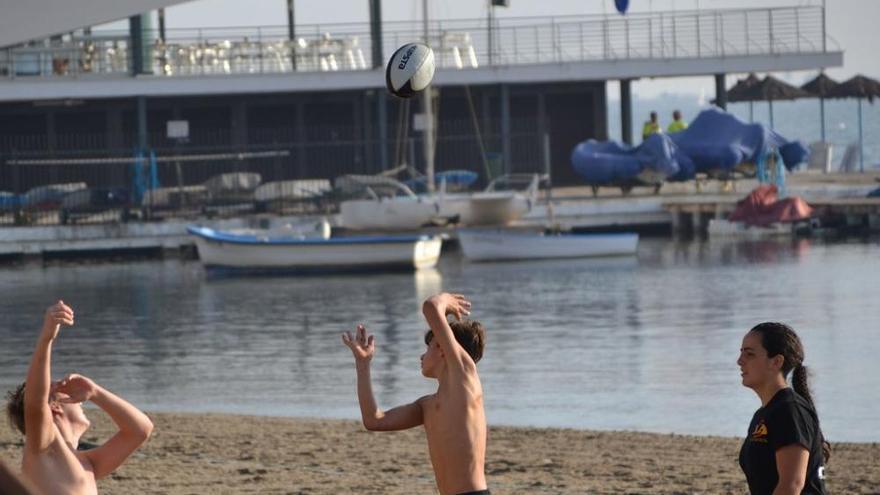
(51, 417)
(454, 420)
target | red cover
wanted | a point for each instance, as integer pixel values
(762, 207)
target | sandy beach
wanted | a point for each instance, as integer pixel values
(218, 454)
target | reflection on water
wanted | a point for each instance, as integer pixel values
(647, 342)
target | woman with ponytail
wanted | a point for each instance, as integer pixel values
(784, 451)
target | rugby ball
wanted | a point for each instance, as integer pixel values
(410, 70)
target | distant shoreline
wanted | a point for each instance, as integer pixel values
(221, 453)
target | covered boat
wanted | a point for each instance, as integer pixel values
(716, 144)
(278, 252)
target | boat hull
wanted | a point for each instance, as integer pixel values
(484, 208)
(499, 245)
(388, 213)
(219, 250)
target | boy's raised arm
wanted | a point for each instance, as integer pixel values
(435, 310)
(400, 418)
(39, 427)
(134, 426)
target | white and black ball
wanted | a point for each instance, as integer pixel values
(410, 70)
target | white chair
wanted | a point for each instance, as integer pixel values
(850, 161)
(821, 153)
(455, 43)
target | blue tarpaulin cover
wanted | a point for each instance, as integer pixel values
(715, 142)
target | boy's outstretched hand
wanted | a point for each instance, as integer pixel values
(363, 346)
(56, 315)
(74, 389)
(453, 304)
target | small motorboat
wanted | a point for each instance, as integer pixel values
(278, 251)
(502, 245)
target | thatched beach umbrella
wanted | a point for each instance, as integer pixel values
(820, 86)
(859, 87)
(770, 89)
(735, 92)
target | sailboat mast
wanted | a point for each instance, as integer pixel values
(428, 112)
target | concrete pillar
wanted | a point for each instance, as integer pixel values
(301, 138)
(626, 119)
(542, 114)
(505, 127)
(51, 143)
(376, 33)
(358, 115)
(239, 124)
(600, 112)
(114, 128)
(721, 91)
(486, 111)
(136, 50)
(140, 52)
(382, 117)
(51, 134)
(142, 141)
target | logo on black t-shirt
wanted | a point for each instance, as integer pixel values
(759, 434)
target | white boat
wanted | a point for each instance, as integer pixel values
(505, 199)
(390, 204)
(385, 204)
(262, 252)
(500, 245)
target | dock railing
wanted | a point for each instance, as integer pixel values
(458, 43)
(84, 179)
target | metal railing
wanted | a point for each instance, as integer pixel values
(85, 181)
(457, 43)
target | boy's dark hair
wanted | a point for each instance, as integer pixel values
(15, 407)
(470, 336)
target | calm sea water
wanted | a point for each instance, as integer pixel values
(797, 119)
(642, 343)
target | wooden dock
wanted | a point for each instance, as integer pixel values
(692, 214)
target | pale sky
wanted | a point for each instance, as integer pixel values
(852, 23)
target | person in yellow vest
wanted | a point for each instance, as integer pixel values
(677, 125)
(651, 127)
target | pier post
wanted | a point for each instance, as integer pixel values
(505, 126)
(626, 120)
(291, 33)
(697, 222)
(675, 220)
(376, 33)
(720, 91)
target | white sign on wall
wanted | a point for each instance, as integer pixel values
(178, 129)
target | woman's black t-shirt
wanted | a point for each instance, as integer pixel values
(787, 419)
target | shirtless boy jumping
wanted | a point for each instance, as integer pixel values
(51, 417)
(454, 420)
